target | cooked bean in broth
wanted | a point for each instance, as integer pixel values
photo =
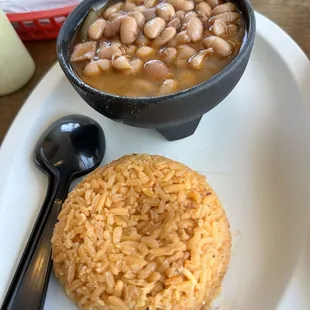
(143, 48)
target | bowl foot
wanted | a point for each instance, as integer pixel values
(180, 131)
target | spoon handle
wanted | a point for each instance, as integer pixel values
(29, 285)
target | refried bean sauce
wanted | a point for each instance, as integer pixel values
(143, 48)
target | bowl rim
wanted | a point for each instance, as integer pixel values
(66, 66)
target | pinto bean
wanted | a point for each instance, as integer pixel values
(187, 17)
(138, 16)
(150, 3)
(115, 44)
(185, 51)
(92, 69)
(129, 30)
(107, 52)
(165, 11)
(130, 49)
(154, 27)
(156, 68)
(84, 51)
(175, 4)
(110, 10)
(180, 15)
(195, 29)
(168, 54)
(149, 14)
(168, 34)
(175, 23)
(136, 65)
(168, 86)
(115, 15)
(121, 62)
(118, 5)
(219, 28)
(213, 3)
(204, 10)
(187, 5)
(113, 28)
(104, 64)
(172, 43)
(220, 46)
(145, 52)
(232, 29)
(222, 8)
(128, 6)
(140, 8)
(182, 37)
(142, 40)
(197, 60)
(227, 17)
(182, 5)
(96, 29)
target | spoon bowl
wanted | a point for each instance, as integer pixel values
(74, 145)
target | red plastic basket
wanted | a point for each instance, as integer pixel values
(41, 25)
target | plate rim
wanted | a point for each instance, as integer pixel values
(286, 48)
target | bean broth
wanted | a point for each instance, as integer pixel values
(143, 67)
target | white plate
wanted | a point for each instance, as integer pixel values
(253, 147)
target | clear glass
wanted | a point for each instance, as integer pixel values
(16, 65)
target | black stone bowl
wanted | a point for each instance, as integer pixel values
(177, 115)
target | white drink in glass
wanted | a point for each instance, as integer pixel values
(16, 65)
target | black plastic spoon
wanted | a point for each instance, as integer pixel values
(71, 147)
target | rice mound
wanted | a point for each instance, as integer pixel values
(143, 232)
